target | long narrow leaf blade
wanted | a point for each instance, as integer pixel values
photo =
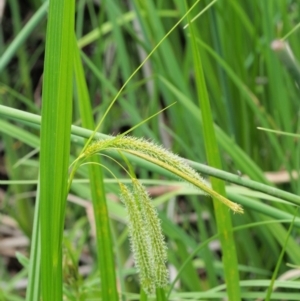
(55, 142)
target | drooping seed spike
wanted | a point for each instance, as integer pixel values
(155, 233)
(140, 242)
(161, 157)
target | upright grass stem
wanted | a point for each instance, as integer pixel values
(229, 256)
(103, 234)
(34, 280)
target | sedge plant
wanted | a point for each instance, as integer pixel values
(146, 236)
(159, 156)
(134, 195)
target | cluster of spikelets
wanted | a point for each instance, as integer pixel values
(146, 236)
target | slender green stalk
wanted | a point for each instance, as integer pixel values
(55, 142)
(229, 255)
(34, 271)
(103, 234)
(35, 120)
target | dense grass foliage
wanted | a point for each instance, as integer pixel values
(70, 67)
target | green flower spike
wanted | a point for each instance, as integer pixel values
(140, 242)
(161, 157)
(153, 226)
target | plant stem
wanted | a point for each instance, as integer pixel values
(229, 256)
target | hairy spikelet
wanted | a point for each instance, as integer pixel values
(140, 242)
(160, 156)
(146, 147)
(153, 226)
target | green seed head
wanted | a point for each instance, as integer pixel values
(161, 157)
(156, 237)
(140, 242)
